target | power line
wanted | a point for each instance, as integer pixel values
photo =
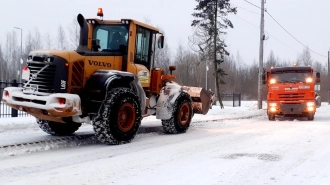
(248, 22)
(286, 30)
(245, 9)
(292, 35)
(268, 34)
(252, 4)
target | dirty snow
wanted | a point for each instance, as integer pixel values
(239, 146)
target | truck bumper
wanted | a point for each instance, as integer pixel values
(303, 108)
(52, 107)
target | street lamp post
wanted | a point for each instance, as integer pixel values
(21, 59)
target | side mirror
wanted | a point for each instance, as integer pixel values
(96, 45)
(161, 41)
(318, 77)
(172, 68)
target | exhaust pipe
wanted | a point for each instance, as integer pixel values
(83, 40)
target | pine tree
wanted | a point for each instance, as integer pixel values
(210, 22)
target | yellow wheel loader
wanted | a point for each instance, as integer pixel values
(110, 81)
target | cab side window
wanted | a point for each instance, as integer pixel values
(142, 49)
(102, 35)
(111, 37)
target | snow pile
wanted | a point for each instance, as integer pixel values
(18, 123)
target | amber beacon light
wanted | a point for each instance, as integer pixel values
(100, 12)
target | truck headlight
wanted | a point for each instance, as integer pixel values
(273, 109)
(310, 108)
(310, 104)
(272, 81)
(309, 80)
(272, 104)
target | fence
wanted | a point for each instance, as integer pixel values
(235, 97)
(6, 111)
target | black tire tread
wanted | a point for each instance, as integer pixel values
(104, 126)
(171, 126)
(58, 129)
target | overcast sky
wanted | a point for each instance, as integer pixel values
(306, 20)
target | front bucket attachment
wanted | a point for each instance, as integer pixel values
(202, 99)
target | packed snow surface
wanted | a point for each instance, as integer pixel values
(234, 145)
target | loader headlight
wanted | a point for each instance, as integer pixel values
(310, 104)
(6, 94)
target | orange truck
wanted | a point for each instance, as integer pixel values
(291, 91)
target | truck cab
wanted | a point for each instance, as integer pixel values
(291, 91)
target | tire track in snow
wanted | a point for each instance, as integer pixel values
(87, 139)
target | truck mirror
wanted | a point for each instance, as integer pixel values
(318, 77)
(161, 41)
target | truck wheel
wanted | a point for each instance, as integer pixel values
(271, 117)
(181, 116)
(59, 129)
(310, 117)
(119, 117)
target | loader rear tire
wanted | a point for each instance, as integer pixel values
(119, 117)
(58, 129)
(181, 116)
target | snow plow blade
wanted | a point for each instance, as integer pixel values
(202, 99)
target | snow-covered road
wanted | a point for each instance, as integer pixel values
(228, 151)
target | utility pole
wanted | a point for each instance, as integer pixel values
(261, 52)
(21, 58)
(328, 77)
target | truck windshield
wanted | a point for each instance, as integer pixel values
(291, 77)
(111, 36)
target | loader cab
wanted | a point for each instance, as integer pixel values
(110, 38)
(124, 37)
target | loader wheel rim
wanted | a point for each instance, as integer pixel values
(184, 114)
(126, 117)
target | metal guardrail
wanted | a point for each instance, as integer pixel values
(6, 111)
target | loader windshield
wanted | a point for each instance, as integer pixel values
(291, 77)
(111, 37)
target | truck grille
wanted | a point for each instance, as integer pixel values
(292, 95)
(43, 82)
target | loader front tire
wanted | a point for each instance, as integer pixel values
(58, 129)
(181, 116)
(119, 117)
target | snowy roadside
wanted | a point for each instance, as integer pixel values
(247, 109)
